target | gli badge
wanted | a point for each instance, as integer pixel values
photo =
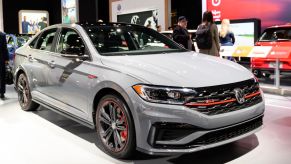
(239, 95)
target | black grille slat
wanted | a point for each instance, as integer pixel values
(224, 93)
(220, 135)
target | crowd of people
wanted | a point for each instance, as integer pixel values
(208, 37)
(32, 27)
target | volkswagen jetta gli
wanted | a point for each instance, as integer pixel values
(137, 88)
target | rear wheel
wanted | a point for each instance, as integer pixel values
(115, 127)
(24, 95)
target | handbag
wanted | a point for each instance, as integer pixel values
(9, 75)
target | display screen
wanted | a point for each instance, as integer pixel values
(244, 33)
(32, 21)
(69, 11)
(271, 12)
(145, 18)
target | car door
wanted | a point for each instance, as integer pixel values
(39, 58)
(72, 86)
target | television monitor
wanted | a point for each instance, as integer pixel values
(32, 21)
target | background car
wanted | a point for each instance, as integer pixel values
(14, 42)
(277, 36)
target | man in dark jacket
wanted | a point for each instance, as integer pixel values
(3, 60)
(181, 34)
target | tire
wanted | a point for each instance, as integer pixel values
(115, 127)
(24, 95)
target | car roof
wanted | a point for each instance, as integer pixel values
(88, 24)
(288, 25)
(171, 31)
(92, 24)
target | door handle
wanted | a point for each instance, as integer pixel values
(30, 58)
(52, 64)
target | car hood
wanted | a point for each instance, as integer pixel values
(185, 69)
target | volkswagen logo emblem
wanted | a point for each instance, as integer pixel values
(135, 19)
(239, 95)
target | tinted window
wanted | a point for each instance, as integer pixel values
(129, 40)
(70, 43)
(276, 34)
(45, 41)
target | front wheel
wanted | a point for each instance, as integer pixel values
(24, 95)
(115, 127)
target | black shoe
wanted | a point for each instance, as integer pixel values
(2, 96)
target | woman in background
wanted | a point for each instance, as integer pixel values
(207, 22)
(226, 36)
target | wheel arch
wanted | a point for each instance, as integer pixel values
(115, 89)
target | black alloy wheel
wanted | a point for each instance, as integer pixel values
(115, 127)
(24, 95)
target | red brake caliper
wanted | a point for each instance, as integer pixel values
(123, 133)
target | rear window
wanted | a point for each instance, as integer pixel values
(276, 34)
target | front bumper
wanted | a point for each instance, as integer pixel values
(213, 130)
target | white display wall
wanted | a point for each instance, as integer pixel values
(1, 16)
(119, 7)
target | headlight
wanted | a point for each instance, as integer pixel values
(164, 95)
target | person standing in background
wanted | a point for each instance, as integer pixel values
(153, 20)
(181, 34)
(226, 36)
(43, 23)
(25, 25)
(207, 21)
(4, 58)
(66, 18)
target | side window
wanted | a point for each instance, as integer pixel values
(32, 44)
(70, 43)
(46, 40)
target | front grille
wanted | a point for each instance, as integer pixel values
(221, 99)
(225, 134)
(218, 135)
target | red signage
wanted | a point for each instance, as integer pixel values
(271, 12)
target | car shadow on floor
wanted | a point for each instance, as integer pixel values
(222, 154)
(79, 130)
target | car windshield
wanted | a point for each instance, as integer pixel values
(114, 40)
(276, 34)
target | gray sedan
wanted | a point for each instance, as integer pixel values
(137, 88)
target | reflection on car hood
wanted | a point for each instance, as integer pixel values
(187, 69)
